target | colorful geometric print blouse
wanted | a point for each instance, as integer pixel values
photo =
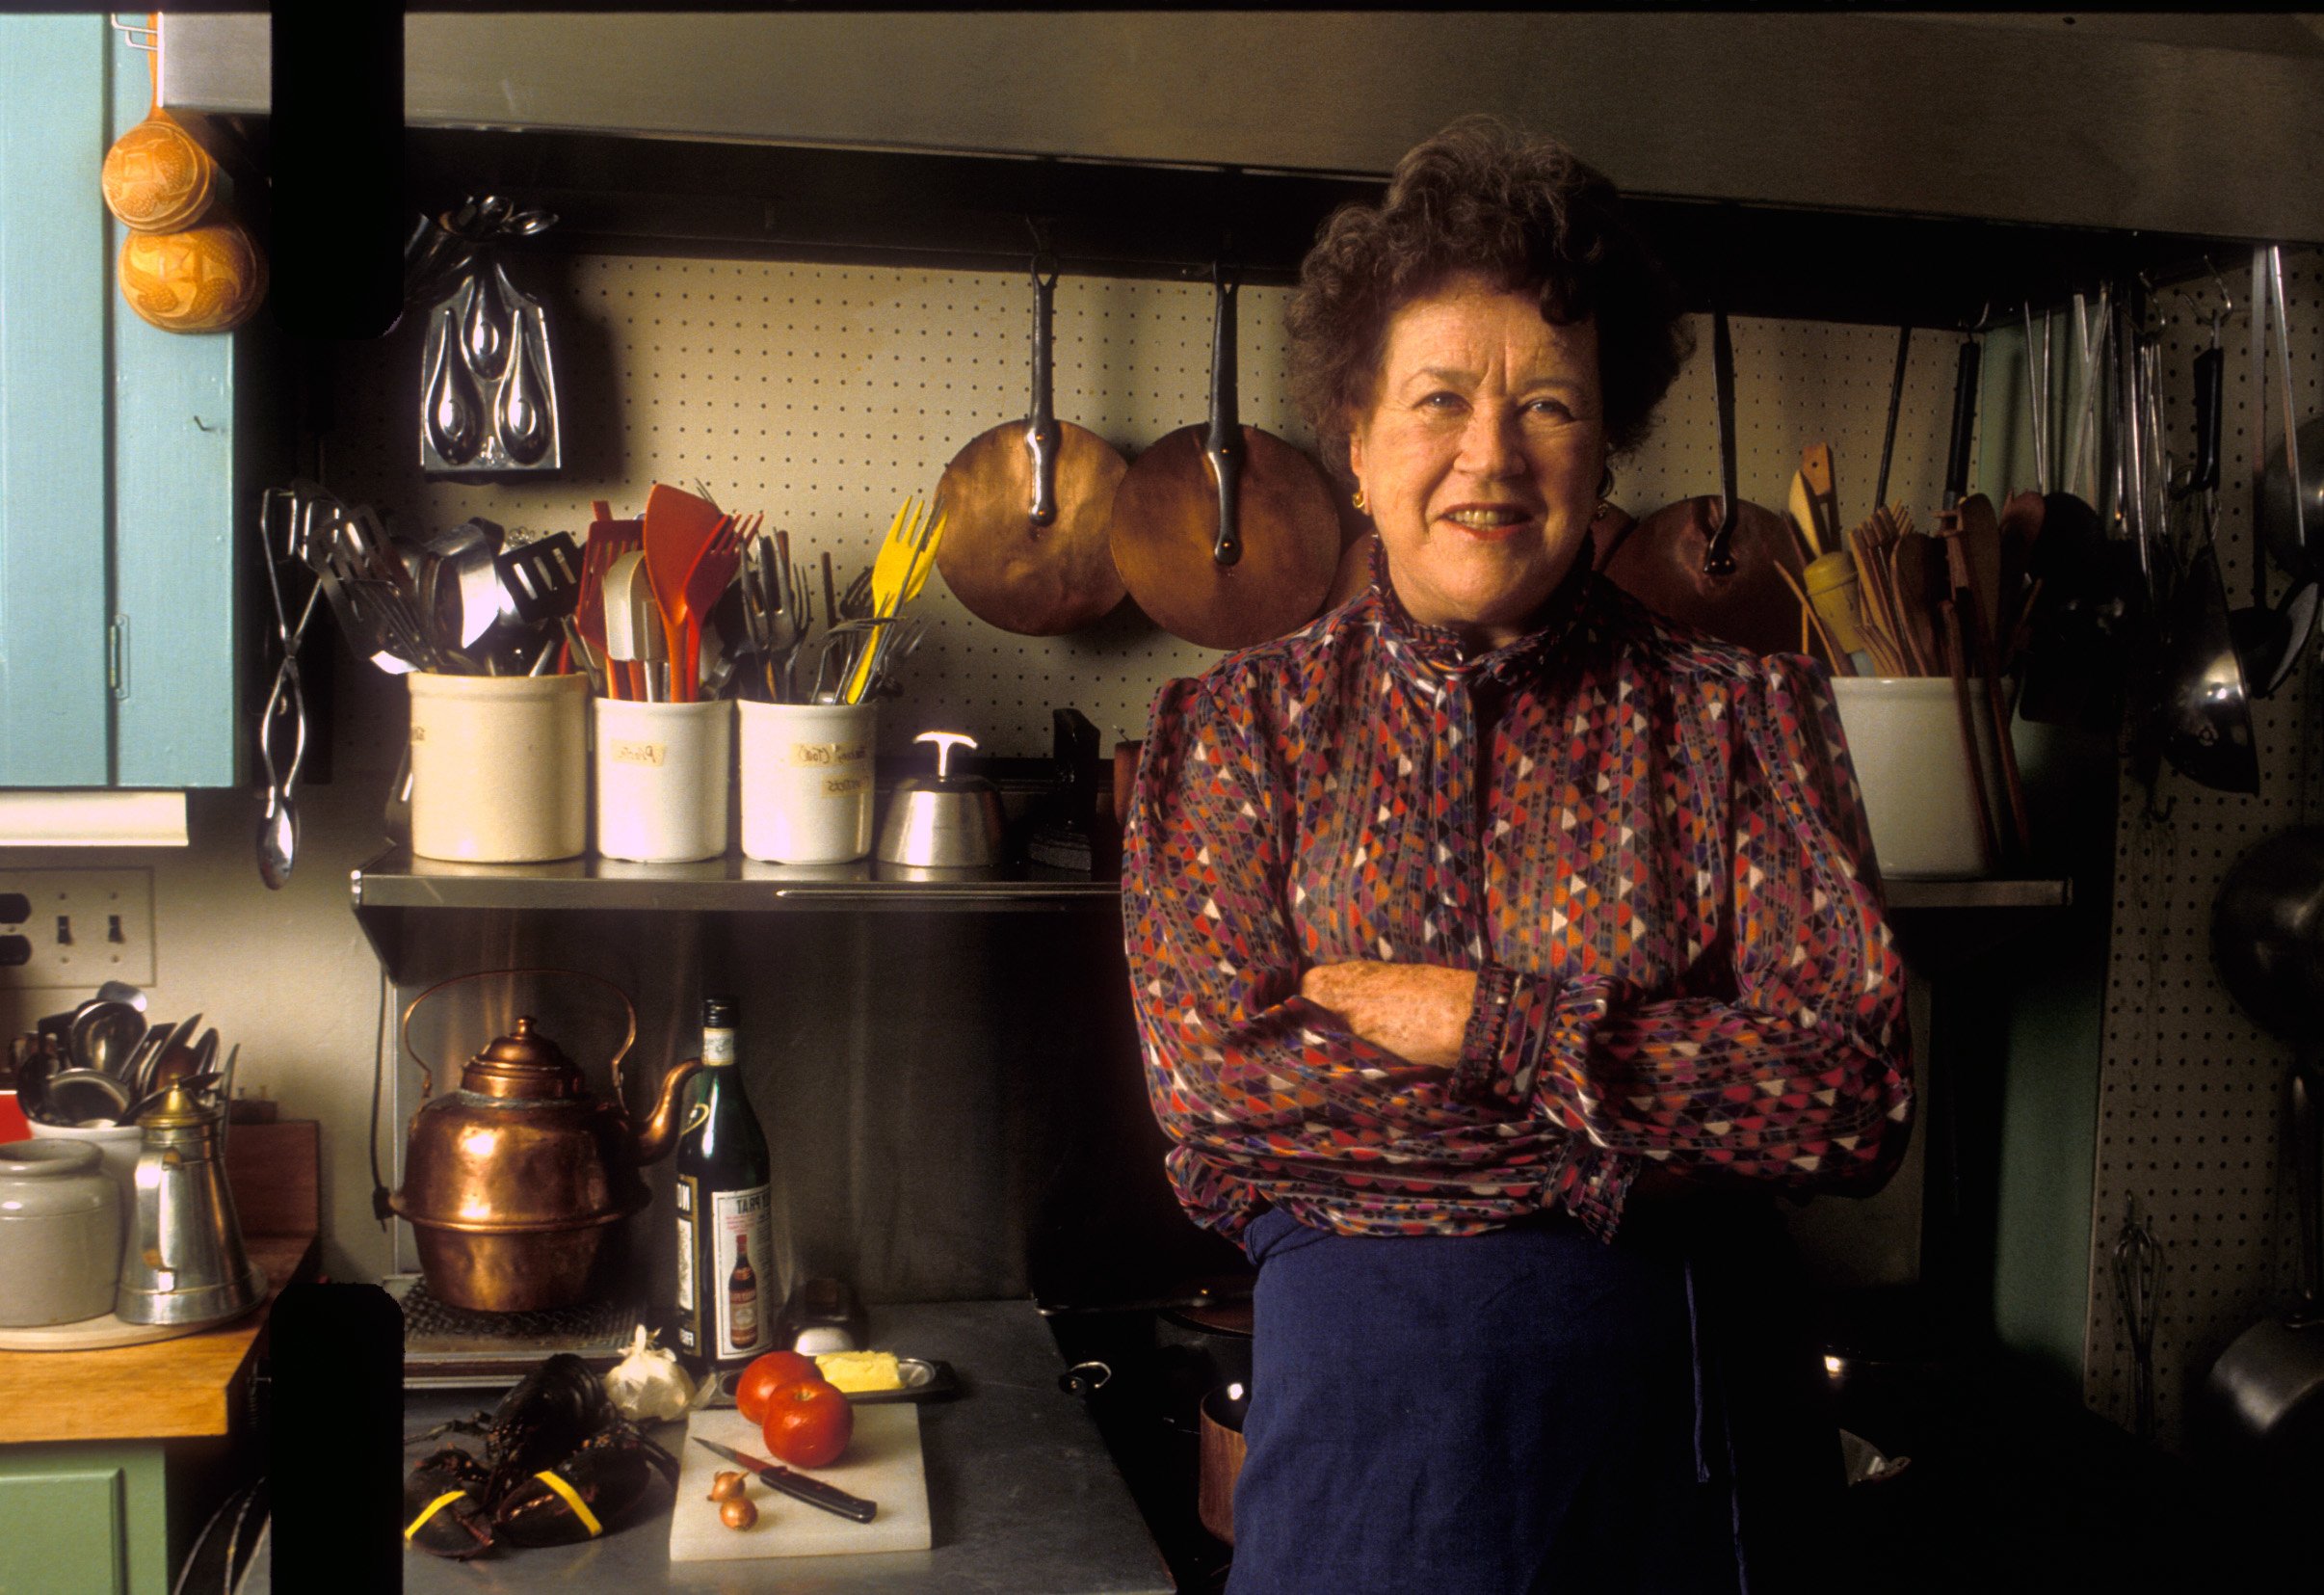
(1649, 844)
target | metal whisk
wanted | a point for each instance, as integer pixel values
(2137, 1272)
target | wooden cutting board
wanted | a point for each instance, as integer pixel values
(881, 1464)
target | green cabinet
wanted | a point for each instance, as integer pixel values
(83, 1520)
(125, 457)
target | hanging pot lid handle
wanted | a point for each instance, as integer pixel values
(1964, 418)
(1042, 436)
(1224, 447)
(1717, 561)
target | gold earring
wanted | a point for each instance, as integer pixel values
(1359, 503)
(1602, 510)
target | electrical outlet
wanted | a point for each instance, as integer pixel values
(84, 926)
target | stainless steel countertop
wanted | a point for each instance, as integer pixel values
(1024, 1498)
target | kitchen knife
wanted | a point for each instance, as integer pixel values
(813, 1491)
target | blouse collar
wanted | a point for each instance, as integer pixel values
(1440, 652)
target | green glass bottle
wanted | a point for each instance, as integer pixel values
(726, 1242)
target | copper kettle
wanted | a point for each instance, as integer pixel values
(512, 1183)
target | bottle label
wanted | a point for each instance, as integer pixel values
(718, 1048)
(689, 1325)
(742, 1260)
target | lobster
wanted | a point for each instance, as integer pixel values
(560, 1465)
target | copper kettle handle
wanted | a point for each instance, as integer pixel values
(428, 1072)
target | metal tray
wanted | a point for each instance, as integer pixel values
(924, 1380)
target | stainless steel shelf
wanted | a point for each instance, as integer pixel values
(1913, 895)
(397, 880)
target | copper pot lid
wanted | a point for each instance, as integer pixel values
(1225, 535)
(1714, 562)
(1027, 507)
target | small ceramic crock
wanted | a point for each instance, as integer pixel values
(60, 1234)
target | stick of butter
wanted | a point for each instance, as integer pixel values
(860, 1371)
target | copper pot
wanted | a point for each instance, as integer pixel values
(512, 1182)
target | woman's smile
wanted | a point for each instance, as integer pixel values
(1489, 523)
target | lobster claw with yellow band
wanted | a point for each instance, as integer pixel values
(576, 1500)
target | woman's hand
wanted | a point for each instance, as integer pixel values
(1418, 1011)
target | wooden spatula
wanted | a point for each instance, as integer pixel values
(1823, 492)
(1915, 585)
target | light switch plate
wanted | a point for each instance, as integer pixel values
(87, 926)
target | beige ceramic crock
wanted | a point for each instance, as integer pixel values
(499, 767)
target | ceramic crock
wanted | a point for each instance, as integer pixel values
(60, 1234)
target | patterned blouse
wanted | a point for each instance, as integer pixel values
(1649, 844)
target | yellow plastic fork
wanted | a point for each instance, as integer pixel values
(898, 573)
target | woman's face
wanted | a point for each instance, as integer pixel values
(1481, 455)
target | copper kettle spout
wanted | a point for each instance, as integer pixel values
(659, 1134)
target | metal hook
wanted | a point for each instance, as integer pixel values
(1045, 257)
(2227, 297)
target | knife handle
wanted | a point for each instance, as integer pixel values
(815, 1492)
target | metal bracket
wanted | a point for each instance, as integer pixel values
(117, 656)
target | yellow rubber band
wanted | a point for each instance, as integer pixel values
(430, 1509)
(573, 1499)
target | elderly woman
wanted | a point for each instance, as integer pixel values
(1499, 946)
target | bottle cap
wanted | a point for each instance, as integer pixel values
(718, 1013)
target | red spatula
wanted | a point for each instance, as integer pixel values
(678, 527)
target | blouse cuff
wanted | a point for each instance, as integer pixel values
(1592, 1184)
(1501, 1047)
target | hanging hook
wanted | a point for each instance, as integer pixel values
(2227, 297)
(1044, 258)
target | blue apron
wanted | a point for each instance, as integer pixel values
(1534, 1410)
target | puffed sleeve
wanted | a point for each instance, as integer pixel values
(1265, 1096)
(1801, 1081)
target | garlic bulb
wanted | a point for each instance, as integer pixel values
(647, 1385)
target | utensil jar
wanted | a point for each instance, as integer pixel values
(806, 782)
(1904, 738)
(662, 775)
(499, 767)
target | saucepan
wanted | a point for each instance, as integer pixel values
(2263, 1406)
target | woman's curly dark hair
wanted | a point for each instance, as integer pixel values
(1522, 211)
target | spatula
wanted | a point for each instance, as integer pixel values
(1823, 493)
(678, 526)
(709, 577)
(618, 620)
(608, 541)
(1915, 587)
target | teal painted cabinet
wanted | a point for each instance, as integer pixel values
(125, 479)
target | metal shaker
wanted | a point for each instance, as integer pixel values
(185, 1261)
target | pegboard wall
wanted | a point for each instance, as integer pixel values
(2192, 1095)
(822, 395)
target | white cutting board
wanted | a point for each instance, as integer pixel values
(881, 1464)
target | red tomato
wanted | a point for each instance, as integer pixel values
(768, 1374)
(808, 1424)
